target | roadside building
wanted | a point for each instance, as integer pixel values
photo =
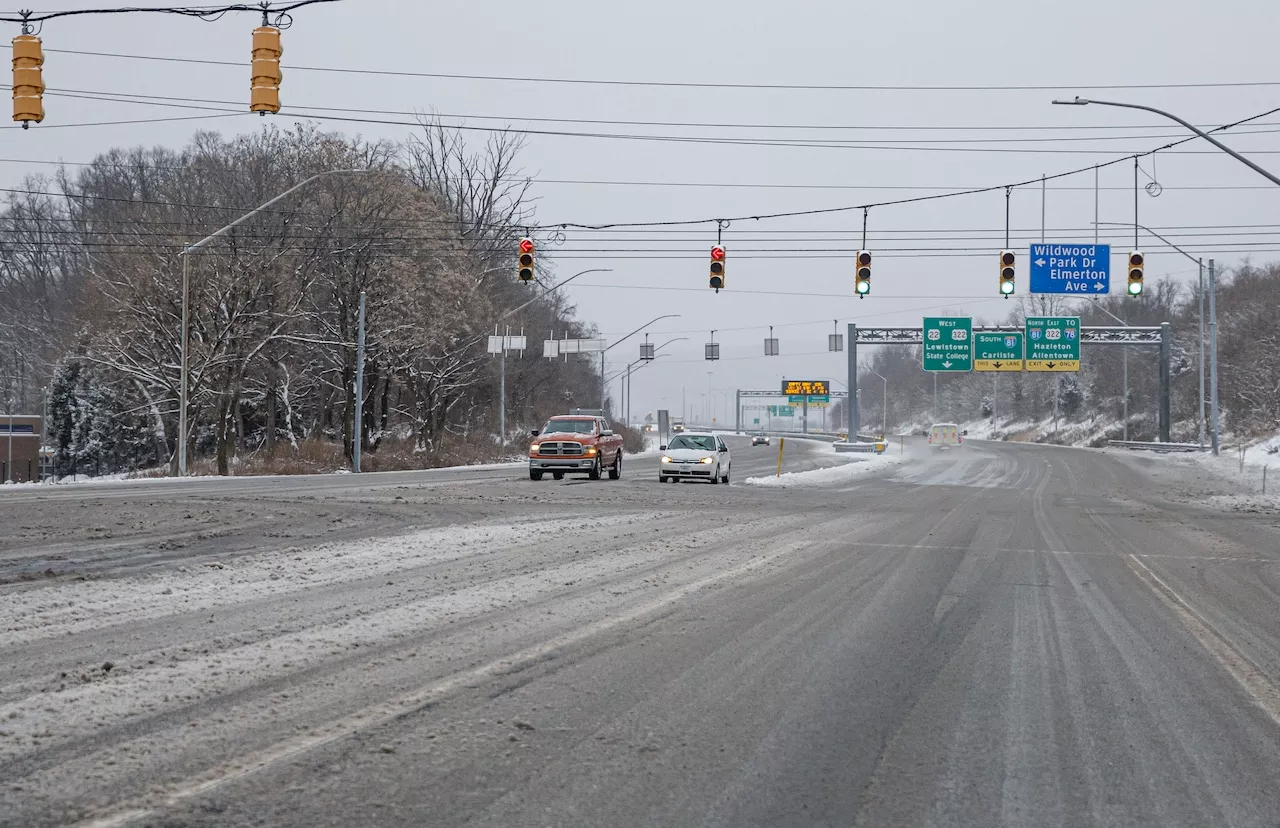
(19, 448)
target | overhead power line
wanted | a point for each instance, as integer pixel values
(691, 84)
(207, 13)
(188, 102)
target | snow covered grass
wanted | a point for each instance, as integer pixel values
(849, 471)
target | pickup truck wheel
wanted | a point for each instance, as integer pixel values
(594, 474)
(557, 475)
(535, 475)
(615, 471)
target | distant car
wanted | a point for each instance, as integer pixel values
(694, 456)
(942, 435)
(759, 439)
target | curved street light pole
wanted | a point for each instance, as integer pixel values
(1206, 136)
(619, 342)
(1200, 293)
(502, 368)
(627, 387)
(187, 250)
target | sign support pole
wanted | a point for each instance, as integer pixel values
(1213, 357)
(358, 419)
(1165, 382)
(852, 401)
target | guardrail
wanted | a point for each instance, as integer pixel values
(1139, 445)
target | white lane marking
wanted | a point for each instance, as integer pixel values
(1066, 552)
(1254, 681)
(390, 710)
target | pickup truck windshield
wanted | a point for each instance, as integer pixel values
(693, 442)
(569, 427)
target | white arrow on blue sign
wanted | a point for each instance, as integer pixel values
(1076, 269)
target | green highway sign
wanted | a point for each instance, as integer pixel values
(756, 421)
(948, 343)
(781, 411)
(997, 351)
(1053, 343)
(814, 399)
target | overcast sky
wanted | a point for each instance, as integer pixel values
(927, 43)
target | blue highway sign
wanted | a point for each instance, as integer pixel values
(1077, 269)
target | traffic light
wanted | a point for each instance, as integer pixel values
(862, 283)
(28, 80)
(717, 267)
(526, 259)
(264, 94)
(1006, 272)
(1136, 264)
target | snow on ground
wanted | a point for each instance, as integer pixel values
(851, 469)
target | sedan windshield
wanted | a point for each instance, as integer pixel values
(569, 427)
(689, 441)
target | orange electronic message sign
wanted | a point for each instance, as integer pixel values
(815, 388)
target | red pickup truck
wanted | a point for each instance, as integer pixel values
(575, 444)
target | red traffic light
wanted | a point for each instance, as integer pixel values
(864, 258)
(526, 245)
(717, 253)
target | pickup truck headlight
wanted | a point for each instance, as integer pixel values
(591, 450)
(707, 461)
(533, 449)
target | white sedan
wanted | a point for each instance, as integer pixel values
(695, 457)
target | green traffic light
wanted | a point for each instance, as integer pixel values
(864, 287)
(1135, 288)
(1006, 288)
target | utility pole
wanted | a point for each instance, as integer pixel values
(1213, 357)
(357, 431)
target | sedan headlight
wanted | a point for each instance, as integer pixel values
(666, 459)
(707, 461)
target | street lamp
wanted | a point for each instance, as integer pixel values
(619, 342)
(884, 411)
(1212, 323)
(186, 299)
(626, 390)
(502, 368)
(1206, 136)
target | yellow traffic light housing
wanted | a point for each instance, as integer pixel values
(1007, 260)
(28, 80)
(1137, 263)
(264, 93)
(862, 279)
(525, 260)
(717, 268)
